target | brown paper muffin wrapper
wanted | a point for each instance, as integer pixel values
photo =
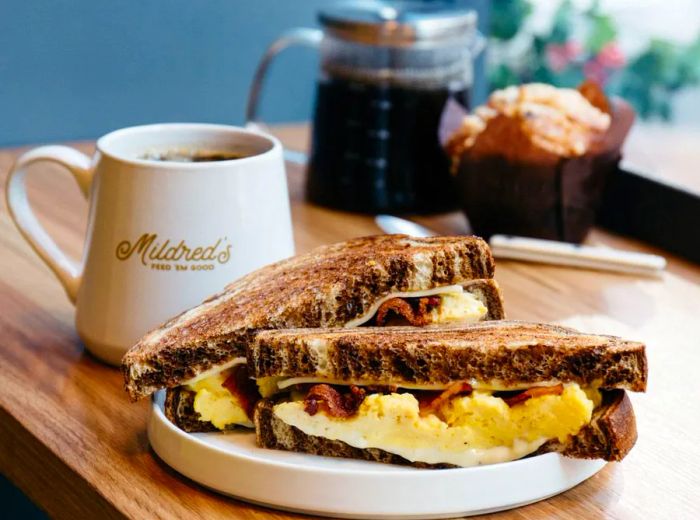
(556, 200)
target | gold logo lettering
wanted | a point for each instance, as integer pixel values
(150, 250)
(125, 248)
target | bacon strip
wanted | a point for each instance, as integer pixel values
(431, 404)
(417, 315)
(535, 391)
(381, 389)
(242, 387)
(325, 398)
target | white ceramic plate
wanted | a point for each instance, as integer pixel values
(230, 463)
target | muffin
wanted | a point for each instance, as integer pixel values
(534, 159)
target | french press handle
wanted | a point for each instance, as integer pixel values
(299, 36)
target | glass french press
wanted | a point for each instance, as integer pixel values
(387, 70)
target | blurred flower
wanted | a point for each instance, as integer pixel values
(573, 48)
(559, 56)
(611, 56)
(594, 70)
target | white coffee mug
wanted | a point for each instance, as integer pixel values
(162, 235)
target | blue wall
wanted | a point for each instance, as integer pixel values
(77, 69)
(74, 69)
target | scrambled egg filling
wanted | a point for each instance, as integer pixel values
(216, 404)
(458, 307)
(267, 386)
(467, 431)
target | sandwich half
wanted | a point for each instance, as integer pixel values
(199, 356)
(451, 397)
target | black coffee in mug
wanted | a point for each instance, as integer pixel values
(192, 156)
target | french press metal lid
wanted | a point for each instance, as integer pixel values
(398, 24)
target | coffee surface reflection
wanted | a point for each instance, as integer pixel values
(192, 156)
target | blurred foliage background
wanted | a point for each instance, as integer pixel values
(584, 44)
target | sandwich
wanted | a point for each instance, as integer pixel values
(200, 355)
(456, 396)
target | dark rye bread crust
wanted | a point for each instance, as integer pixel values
(610, 436)
(510, 352)
(326, 287)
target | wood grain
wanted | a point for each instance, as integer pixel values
(71, 440)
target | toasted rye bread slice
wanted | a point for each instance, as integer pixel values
(509, 353)
(179, 401)
(610, 436)
(326, 287)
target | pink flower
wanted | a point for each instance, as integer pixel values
(611, 56)
(595, 71)
(559, 56)
(573, 49)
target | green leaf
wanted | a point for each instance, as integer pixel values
(689, 64)
(563, 20)
(661, 69)
(538, 45)
(664, 110)
(613, 86)
(507, 17)
(602, 31)
(570, 77)
(503, 76)
(543, 74)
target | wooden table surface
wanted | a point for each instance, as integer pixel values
(70, 439)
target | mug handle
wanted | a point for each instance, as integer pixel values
(67, 270)
(299, 36)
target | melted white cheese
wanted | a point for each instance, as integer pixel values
(493, 385)
(214, 371)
